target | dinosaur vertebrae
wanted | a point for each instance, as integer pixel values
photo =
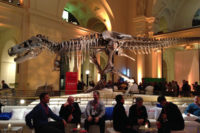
(101, 41)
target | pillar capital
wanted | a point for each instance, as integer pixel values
(143, 25)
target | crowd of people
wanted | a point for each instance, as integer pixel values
(165, 88)
(169, 119)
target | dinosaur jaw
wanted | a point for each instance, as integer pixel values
(20, 59)
(26, 56)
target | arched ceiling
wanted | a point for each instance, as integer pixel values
(85, 10)
(177, 13)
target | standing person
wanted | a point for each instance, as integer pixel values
(120, 119)
(70, 111)
(138, 114)
(170, 117)
(95, 111)
(4, 85)
(39, 116)
(186, 89)
(178, 88)
(80, 86)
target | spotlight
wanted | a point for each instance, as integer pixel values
(22, 101)
(9, 126)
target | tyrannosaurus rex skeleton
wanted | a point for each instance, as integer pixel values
(109, 42)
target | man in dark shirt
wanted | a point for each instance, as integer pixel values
(138, 113)
(120, 119)
(40, 114)
(70, 111)
(4, 85)
(186, 88)
(170, 117)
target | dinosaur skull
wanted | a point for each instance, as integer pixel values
(115, 36)
(26, 50)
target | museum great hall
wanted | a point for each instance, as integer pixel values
(64, 20)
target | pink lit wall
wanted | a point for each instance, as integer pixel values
(187, 66)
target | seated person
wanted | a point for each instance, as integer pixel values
(193, 108)
(170, 117)
(91, 83)
(4, 85)
(38, 118)
(133, 88)
(138, 114)
(70, 111)
(95, 111)
(1, 106)
(149, 89)
(120, 120)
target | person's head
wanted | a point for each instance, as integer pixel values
(2, 81)
(96, 95)
(70, 100)
(196, 100)
(119, 99)
(139, 101)
(44, 97)
(162, 100)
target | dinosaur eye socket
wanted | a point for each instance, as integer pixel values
(25, 44)
(29, 41)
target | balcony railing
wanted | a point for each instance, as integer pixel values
(17, 3)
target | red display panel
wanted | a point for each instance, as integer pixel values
(71, 82)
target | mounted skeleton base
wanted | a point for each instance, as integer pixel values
(109, 42)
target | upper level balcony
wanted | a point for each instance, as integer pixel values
(18, 3)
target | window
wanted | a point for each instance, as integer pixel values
(196, 19)
(65, 15)
(126, 72)
(68, 17)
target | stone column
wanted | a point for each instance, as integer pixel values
(146, 65)
(140, 67)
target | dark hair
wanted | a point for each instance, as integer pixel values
(138, 99)
(42, 95)
(118, 98)
(96, 93)
(161, 98)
